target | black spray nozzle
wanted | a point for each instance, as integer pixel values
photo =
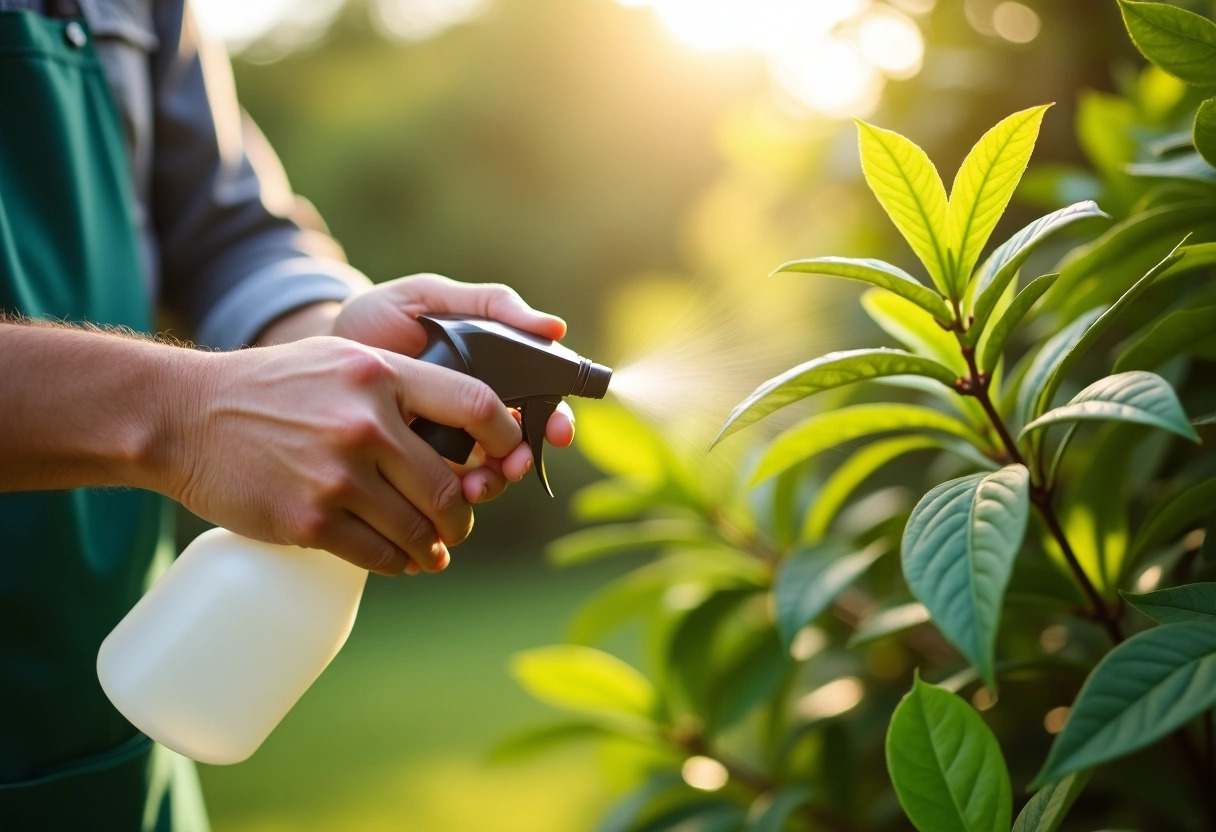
(527, 372)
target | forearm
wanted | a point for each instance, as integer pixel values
(84, 408)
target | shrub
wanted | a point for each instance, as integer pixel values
(1051, 575)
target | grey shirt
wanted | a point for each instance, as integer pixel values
(226, 246)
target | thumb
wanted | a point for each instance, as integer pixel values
(486, 300)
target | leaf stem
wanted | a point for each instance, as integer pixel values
(1040, 493)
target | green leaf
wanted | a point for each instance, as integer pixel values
(835, 492)
(1142, 690)
(1046, 810)
(1098, 272)
(890, 621)
(618, 442)
(1136, 396)
(914, 328)
(1180, 42)
(1013, 316)
(1047, 359)
(585, 680)
(1203, 134)
(1188, 167)
(1069, 359)
(1172, 335)
(752, 676)
(877, 273)
(688, 655)
(911, 192)
(827, 430)
(775, 816)
(1175, 514)
(836, 369)
(983, 186)
(999, 269)
(958, 551)
(613, 499)
(657, 795)
(600, 541)
(535, 741)
(1191, 602)
(809, 580)
(946, 765)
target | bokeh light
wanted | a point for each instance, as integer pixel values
(1015, 22)
(704, 773)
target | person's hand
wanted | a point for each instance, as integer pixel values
(308, 443)
(386, 317)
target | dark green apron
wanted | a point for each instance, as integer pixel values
(72, 563)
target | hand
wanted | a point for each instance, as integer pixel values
(386, 317)
(308, 443)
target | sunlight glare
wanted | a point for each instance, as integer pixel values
(415, 20)
(830, 76)
(892, 42)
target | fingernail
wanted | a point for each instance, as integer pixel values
(527, 466)
(442, 557)
(484, 492)
(412, 568)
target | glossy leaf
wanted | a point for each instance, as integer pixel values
(990, 353)
(1175, 514)
(910, 190)
(913, 327)
(1171, 336)
(585, 680)
(876, 273)
(1180, 42)
(836, 369)
(836, 490)
(1189, 167)
(1003, 264)
(1099, 271)
(958, 551)
(1137, 396)
(1190, 602)
(1047, 809)
(775, 816)
(809, 580)
(946, 765)
(1141, 691)
(827, 430)
(983, 186)
(601, 541)
(889, 622)
(1095, 330)
(1203, 133)
(1047, 359)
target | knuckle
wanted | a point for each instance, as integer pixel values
(333, 488)
(419, 532)
(448, 494)
(481, 403)
(310, 528)
(357, 430)
(365, 367)
(387, 560)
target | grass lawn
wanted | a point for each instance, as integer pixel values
(394, 735)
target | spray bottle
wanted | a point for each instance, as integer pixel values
(224, 644)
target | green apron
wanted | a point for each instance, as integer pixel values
(72, 563)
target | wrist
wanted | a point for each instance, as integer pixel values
(304, 322)
(166, 447)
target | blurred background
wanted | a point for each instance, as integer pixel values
(638, 167)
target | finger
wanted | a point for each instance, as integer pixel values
(484, 484)
(487, 300)
(517, 464)
(384, 509)
(451, 398)
(560, 429)
(353, 540)
(422, 480)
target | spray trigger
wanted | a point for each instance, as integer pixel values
(535, 413)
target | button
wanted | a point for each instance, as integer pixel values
(74, 34)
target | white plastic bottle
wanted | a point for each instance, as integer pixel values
(220, 648)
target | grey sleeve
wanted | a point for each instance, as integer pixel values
(237, 248)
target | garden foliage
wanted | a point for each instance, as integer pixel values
(883, 619)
